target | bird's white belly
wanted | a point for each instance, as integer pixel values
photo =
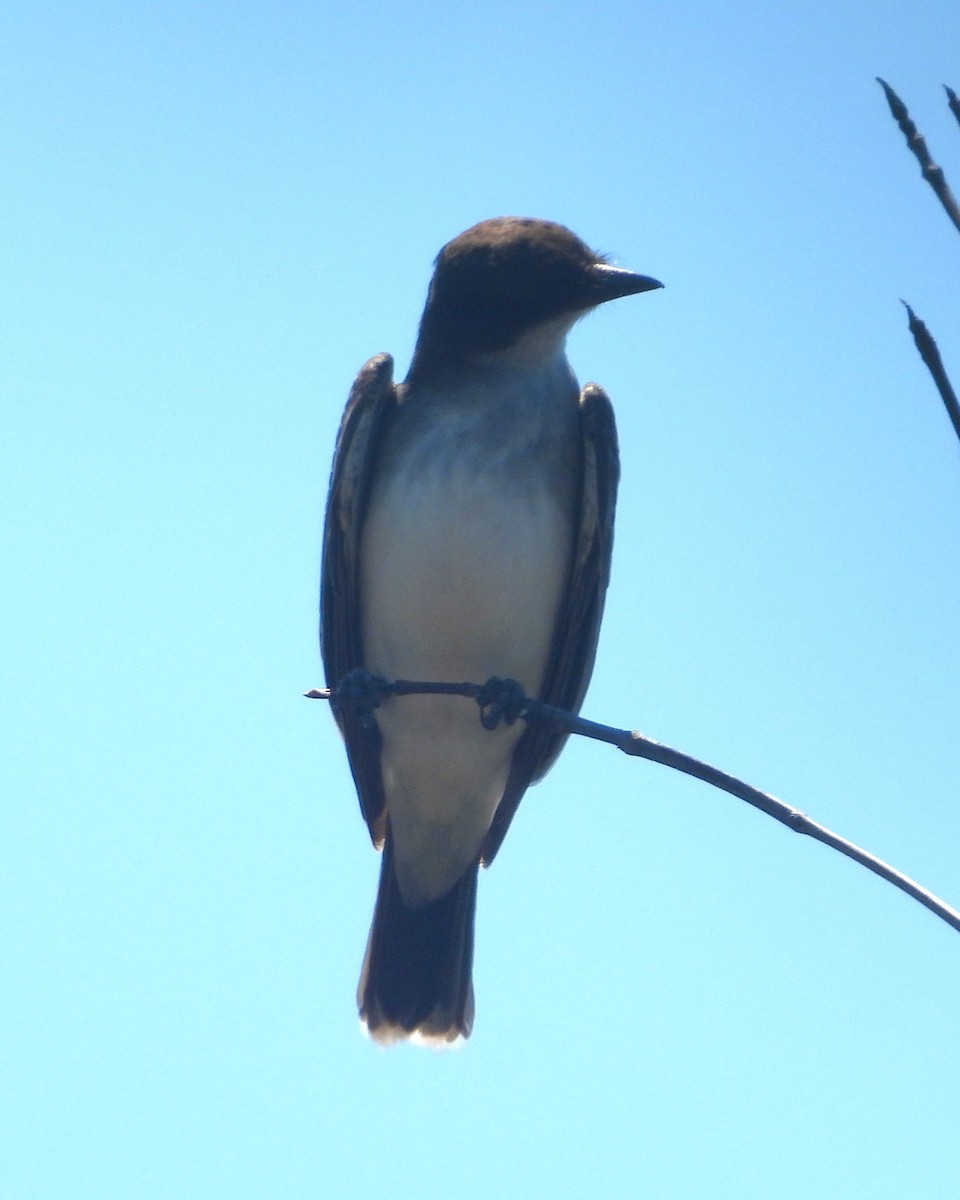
(462, 575)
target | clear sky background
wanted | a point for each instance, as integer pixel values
(211, 216)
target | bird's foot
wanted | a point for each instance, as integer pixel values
(500, 700)
(360, 693)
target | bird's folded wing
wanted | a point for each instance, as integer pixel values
(574, 644)
(373, 398)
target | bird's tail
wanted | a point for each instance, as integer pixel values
(416, 977)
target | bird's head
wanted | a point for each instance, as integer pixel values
(504, 278)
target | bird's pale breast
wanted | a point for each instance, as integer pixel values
(465, 554)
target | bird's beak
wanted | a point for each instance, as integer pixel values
(610, 283)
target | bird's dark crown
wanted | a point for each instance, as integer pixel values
(497, 281)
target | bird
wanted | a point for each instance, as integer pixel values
(467, 535)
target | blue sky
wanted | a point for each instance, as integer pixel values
(212, 215)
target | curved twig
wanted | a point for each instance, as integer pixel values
(934, 363)
(953, 101)
(640, 746)
(928, 168)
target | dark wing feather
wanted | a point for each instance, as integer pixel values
(578, 627)
(372, 400)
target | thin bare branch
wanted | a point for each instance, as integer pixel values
(931, 356)
(953, 102)
(928, 168)
(636, 744)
